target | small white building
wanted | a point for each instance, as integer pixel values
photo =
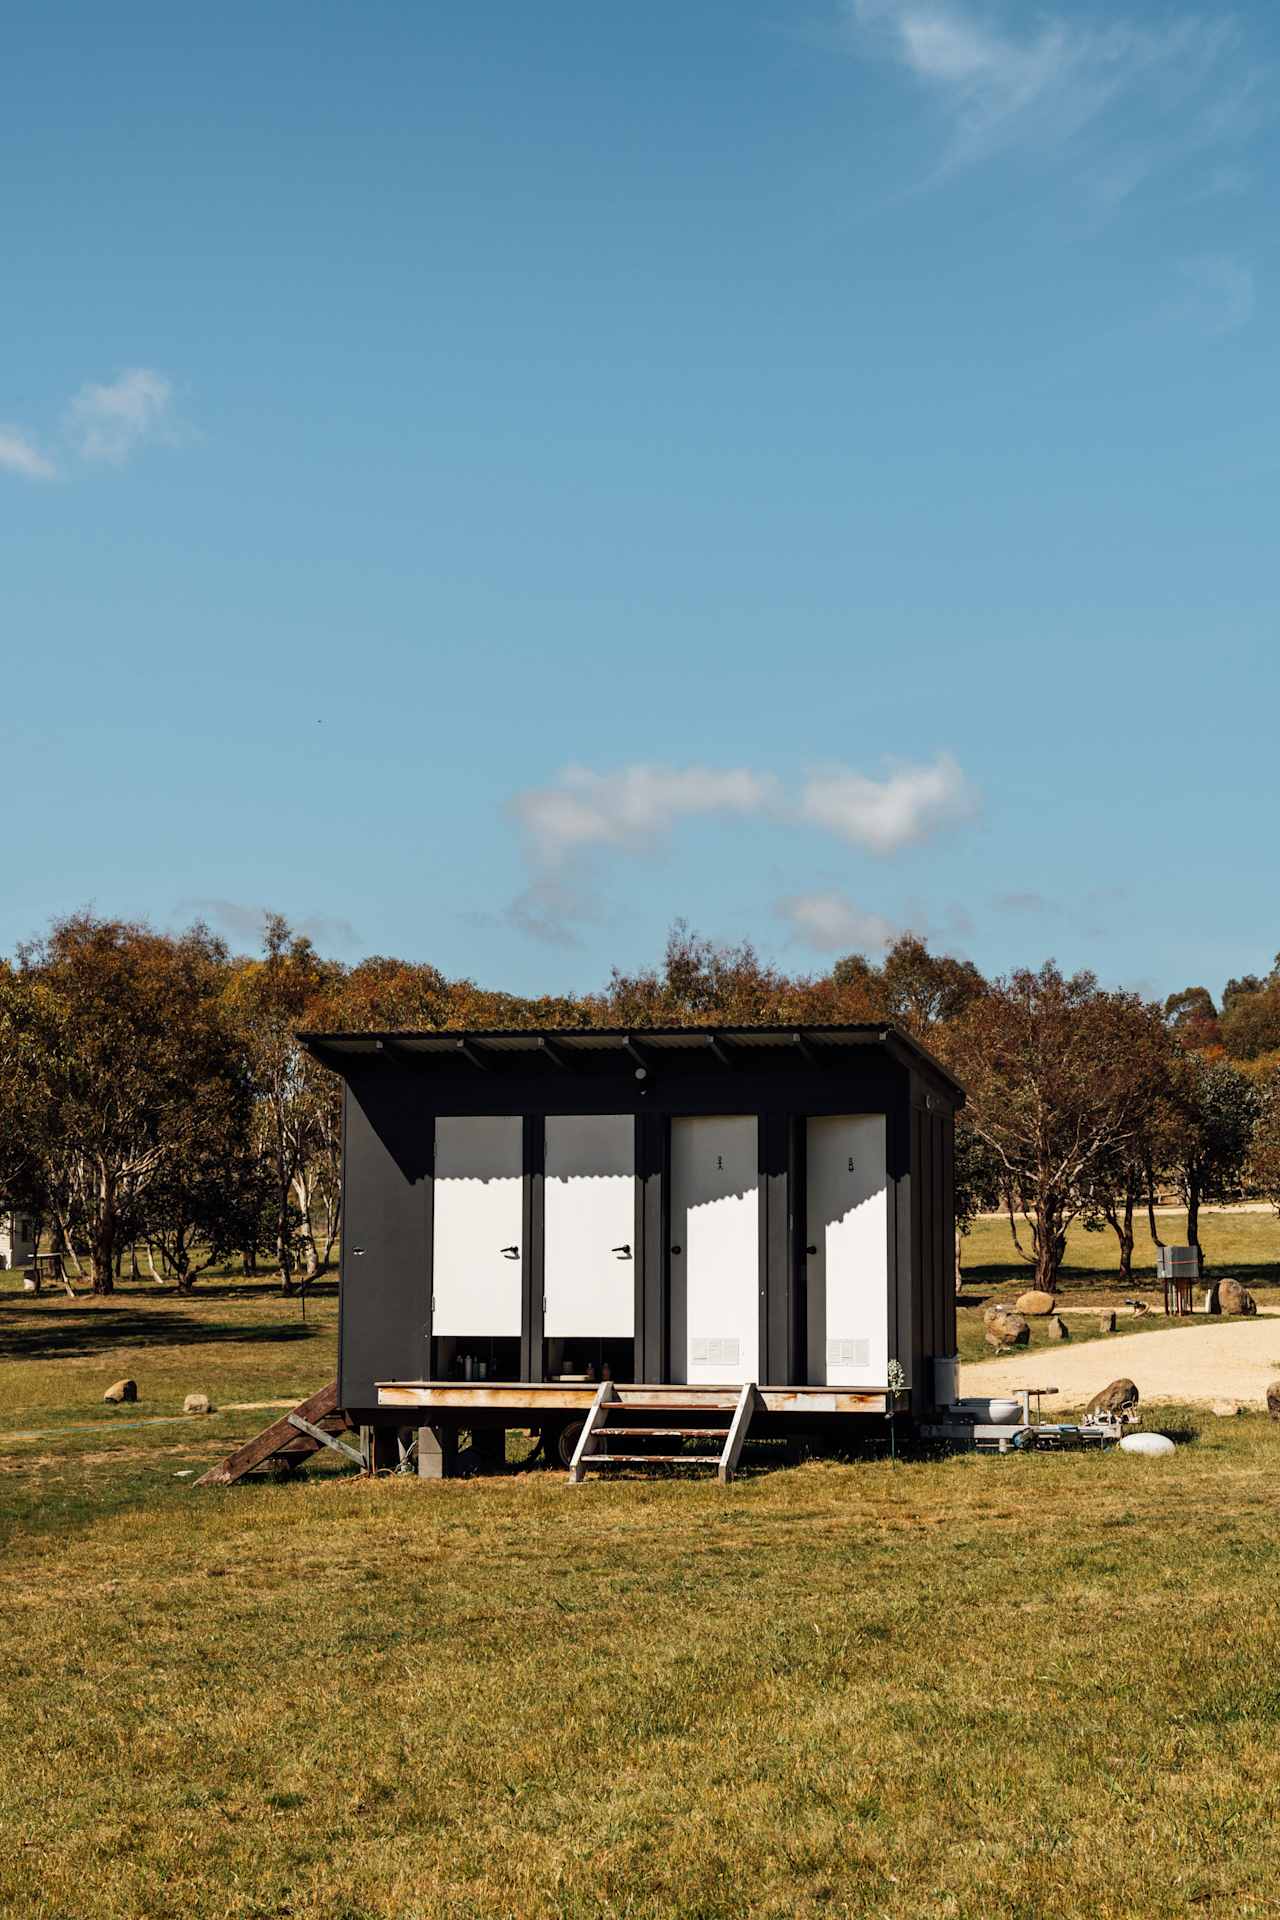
(17, 1240)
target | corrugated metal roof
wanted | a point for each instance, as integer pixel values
(457, 1044)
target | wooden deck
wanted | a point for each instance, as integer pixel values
(536, 1398)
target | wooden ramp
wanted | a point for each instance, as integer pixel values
(288, 1443)
(645, 1427)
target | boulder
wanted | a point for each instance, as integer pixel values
(198, 1403)
(1008, 1329)
(1273, 1399)
(1058, 1328)
(122, 1390)
(1233, 1298)
(1106, 1322)
(1120, 1397)
(993, 1310)
(1226, 1409)
(1035, 1302)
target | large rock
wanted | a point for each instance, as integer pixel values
(1035, 1302)
(1120, 1397)
(1273, 1399)
(1058, 1328)
(198, 1403)
(1107, 1322)
(1008, 1329)
(1226, 1409)
(1233, 1298)
(122, 1390)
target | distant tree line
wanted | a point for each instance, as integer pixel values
(156, 1107)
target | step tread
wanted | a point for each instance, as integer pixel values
(693, 1433)
(651, 1460)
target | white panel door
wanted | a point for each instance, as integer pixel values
(479, 1213)
(715, 1222)
(589, 1212)
(848, 1234)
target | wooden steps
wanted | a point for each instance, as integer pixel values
(289, 1442)
(635, 1413)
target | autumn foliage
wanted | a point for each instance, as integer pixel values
(154, 1099)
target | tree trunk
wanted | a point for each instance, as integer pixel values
(1156, 1241)
(102, 1239)
(1050, 1243)
(959, 1272)
(1124, 1233)
(1193, 1211)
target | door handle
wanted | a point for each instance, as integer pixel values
(624, 1250)
(677, 1249)
(811, 1249)
(512, 1253)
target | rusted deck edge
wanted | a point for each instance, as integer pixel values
(558, 1397)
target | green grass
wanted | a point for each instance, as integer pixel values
(1246, 1245)
(987, 1689)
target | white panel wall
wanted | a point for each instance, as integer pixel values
(715, 1221)
(589, 1213)
(479, 1215)
(848, 1224)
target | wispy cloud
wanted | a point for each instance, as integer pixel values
(633, 808)
(572, 828)
(19, 454)
(243, 920)
(1219, 295)
(1020, 900)
(883, 816)
(1001, 79)
(111, 422)
(830, 922)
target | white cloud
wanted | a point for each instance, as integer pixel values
(19, 454)
(883, 816)
(633, 808)
(830, 922)
(1219, 295)
(571, 827)
(110, 422)
(1049, 82)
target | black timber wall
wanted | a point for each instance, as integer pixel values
(932, 1229)
(389, 1133)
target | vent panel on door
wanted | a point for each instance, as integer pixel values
(848, 1353)
(715, 1353)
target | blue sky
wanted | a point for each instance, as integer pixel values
(487, 480)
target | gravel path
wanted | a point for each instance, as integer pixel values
(1229, 1360)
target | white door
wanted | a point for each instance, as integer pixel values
(715, 1223)
(590, 1223)
(479, 1213)
(848, 1238)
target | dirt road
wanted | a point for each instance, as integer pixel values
(1223, 1360)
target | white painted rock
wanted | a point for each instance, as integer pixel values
(1150, 1444)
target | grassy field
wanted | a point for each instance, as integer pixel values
(1246, 1245)
(994, 1689)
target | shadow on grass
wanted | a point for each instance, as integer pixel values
(52, 1333)
(978, 1281)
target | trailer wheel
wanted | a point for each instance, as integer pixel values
(567, 1440)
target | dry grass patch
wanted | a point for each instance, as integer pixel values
(971, 1687)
